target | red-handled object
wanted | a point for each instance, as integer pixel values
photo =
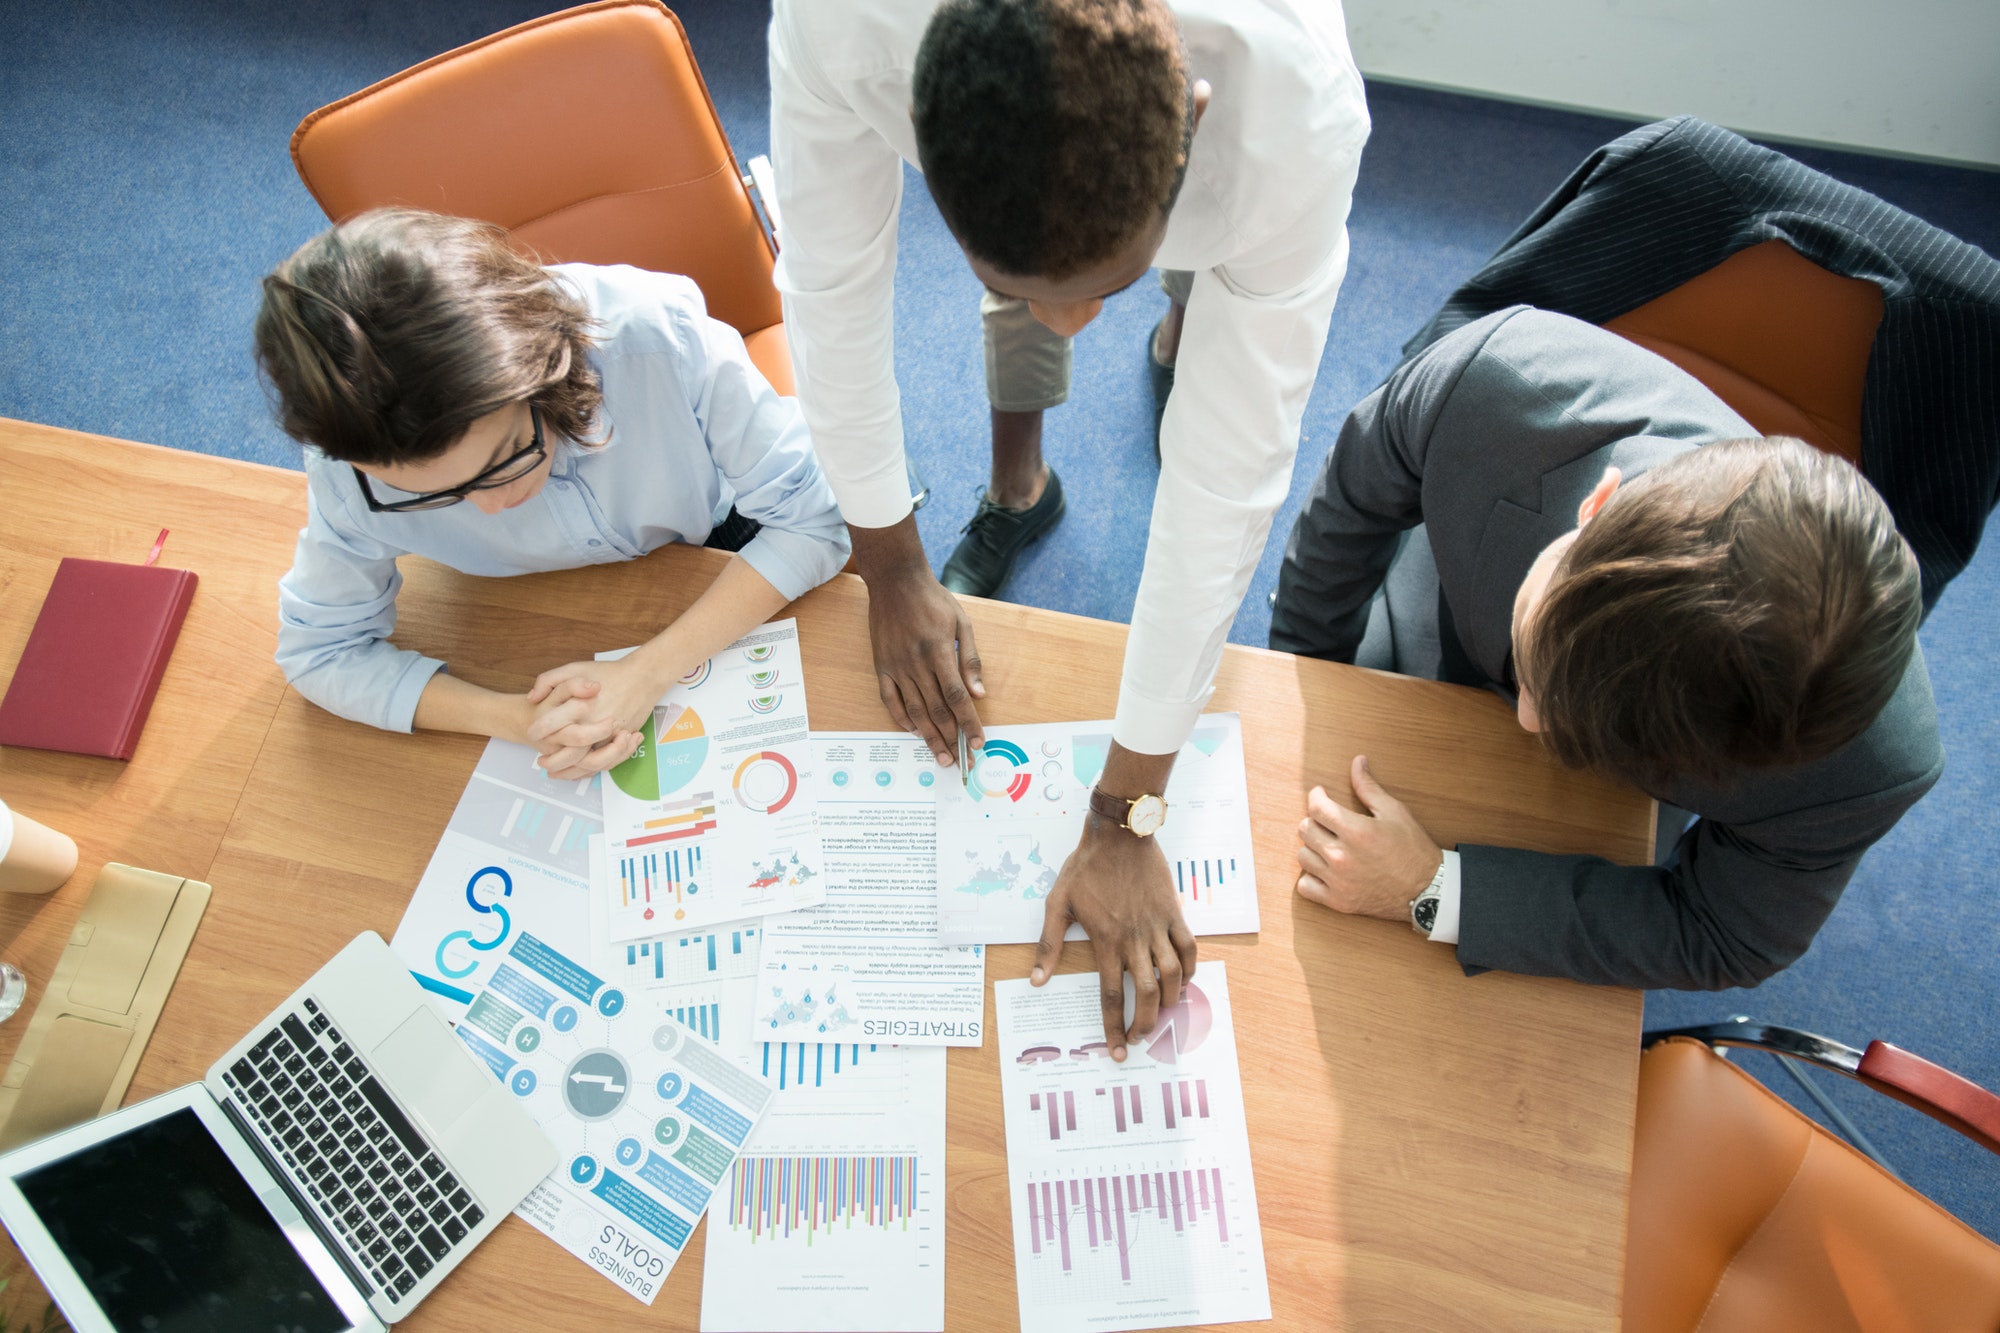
(1934, 1090)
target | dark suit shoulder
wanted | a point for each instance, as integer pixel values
(1846, 800)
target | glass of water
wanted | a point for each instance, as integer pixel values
(13, 990)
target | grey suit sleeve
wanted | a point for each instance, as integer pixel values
(1740, 903)
(1369, 492)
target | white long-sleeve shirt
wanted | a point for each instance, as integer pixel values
(1261, 220)
(695, 428)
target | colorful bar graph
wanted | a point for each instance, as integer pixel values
(1115, 1211)
(796, 1061)
(785, 1196)
(1194, 878)
(667, 874)
(689, 817)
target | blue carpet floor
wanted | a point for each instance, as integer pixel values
(145, 187)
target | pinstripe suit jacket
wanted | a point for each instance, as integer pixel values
(1671, 200)
(1491, 437)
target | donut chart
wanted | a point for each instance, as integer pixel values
(1001, 771)
(765, 782)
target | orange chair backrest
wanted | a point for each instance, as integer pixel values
(588, 134)
(1745, 1217)
(1774, 335)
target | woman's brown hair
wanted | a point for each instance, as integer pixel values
(385, 337)
(1747, 604)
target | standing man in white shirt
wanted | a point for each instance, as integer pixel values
(1059, 138)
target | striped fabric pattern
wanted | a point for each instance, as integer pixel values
(1670, 200)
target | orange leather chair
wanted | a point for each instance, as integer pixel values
(1810, 306)
(1748, 1216)
(1780, 339)
(588, 134)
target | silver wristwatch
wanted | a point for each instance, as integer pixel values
(1424, 907)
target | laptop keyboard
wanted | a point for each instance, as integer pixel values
(370, 1171)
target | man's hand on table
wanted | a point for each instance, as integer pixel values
(1116, 886)
(926, 662)
(1365, 864)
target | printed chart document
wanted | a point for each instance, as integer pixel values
(648, 1117)
(515, 857)
(1133, 1201)
(833, 1216)
(706, 978)
(866, 964)
(711, 819)
(1005, 830)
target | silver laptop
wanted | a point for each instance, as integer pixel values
(324, 1177)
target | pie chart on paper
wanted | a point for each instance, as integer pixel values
(673, 745)
(765, 782)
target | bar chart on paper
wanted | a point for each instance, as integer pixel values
(833, 1216)
(1133, 1201)
(1107, 1236)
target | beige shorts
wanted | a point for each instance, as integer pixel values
(1027, 366)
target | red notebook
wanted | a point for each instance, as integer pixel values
(87, 677)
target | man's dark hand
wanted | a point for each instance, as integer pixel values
(1116, 886)
(926, 662)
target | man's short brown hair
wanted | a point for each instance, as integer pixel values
(1051, 132)
(1748, 604)
(386, 337)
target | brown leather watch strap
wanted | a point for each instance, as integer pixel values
(1117, 809)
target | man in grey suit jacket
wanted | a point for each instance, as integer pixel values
(1536, 506)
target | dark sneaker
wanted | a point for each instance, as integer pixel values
(1162, 377)
(995, 536)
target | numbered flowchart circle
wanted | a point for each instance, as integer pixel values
(527, 1039)
(523, 1082)
(584, 1169)
(629, 1152)
(611, 1003)
(563, 1019)
(667, 1132)
(670, 1086)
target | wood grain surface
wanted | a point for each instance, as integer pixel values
(1431, 1151)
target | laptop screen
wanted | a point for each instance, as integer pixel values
(167, 1236)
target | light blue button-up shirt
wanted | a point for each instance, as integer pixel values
(694, 429)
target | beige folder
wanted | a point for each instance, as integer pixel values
(83, 1044)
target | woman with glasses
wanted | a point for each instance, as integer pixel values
(460, 402)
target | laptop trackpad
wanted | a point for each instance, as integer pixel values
(428, 1071)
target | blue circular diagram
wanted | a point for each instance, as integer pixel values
(595, 1084)
(611, 1003)
(583, 1170)
(629, 1152)
(669, 1087)
(523, 1082)
(563, 1019)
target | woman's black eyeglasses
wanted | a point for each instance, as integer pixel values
(509, 469)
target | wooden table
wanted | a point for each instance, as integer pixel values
(1432, 1151)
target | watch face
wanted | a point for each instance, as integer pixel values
(1148, 813)
(1425, 914)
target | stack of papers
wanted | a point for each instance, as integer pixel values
(722, 977)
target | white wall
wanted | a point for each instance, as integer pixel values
(1919, 77)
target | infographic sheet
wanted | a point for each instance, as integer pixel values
(866, 964)
(712, 818)
(514, 857)
(1130, 1184)
(1005, 829)
(648, 1117)
(706, 978)
(833, 1216)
